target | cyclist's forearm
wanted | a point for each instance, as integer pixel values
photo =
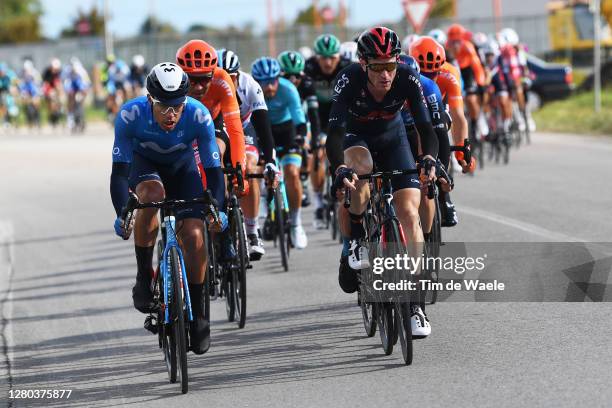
(315, 121)
(119, 185)
(261, 124)
(429, 140)
(459, 126)
(443, 146)
(216, 184)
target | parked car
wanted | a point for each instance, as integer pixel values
(552, 81)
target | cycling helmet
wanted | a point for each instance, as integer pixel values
(429, 53)
(138, 60)
(306, 52)
(490, 47)
(378, 42)
(348, 50)
(510, 36)
(480, 39)
(438, 35)
(168, 84)
(409, 39)
(410, 61)
(265, 69)
(456, 32)
(228, 60)
(327, 45)
(291, 62)
(197, 57)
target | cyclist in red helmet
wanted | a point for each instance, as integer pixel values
(366, 130)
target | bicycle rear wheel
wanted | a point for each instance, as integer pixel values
(433, 250)
(404, 328)
(177, 319)
(239, 267)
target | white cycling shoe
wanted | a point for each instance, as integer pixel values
(420, 323)
(358, 255)
(298, 237)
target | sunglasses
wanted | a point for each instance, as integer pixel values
(202, 79)
(267, 82)
(387, 66)
(165, 108)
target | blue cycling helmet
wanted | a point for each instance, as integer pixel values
(411, 62)
(265, 69)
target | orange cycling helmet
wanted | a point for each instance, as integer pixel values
(429, 54)
(456, 32)
(197, 57)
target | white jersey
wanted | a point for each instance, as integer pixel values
(250, 97)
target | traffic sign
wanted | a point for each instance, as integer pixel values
(417, 12)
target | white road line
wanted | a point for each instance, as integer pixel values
(520, 225)
(6, 300)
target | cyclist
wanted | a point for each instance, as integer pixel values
(153, 155)
(292, 68)
(472, 72)
(323, 68)
(514, 63)
(53, 90)
(348, 51)
(432, 61)
(138, 74)
(366, 130)
(29, 89)
(76, 85)
(8, 90)
(116, 80)
(257, 133)
(215, 89)
(289, 131)
(438, 35)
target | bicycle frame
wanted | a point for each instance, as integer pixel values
(170, 241)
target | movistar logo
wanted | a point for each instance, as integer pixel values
(201, 117)
(128, 117)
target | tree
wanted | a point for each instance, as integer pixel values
(85, 23)
(20, 21)
(153, 26)
(442, 8)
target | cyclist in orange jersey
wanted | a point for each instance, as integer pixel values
(215, 89)
(472, 72)
(432, 60)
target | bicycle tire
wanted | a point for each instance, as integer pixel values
(368, 314)
(385, 326)
(434, 250)
(403, 322)
(279, 218)
(239, 270)
(177, 318)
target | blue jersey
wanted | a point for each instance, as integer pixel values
(137, 131)
(433, 96)
(286, 104)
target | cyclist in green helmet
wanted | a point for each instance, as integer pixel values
(292, 66)
(323, 68)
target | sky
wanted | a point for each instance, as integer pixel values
(128, 15)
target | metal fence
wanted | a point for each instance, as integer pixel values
(533, 30)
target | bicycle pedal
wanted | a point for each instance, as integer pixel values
(249, 266)
(150, 324)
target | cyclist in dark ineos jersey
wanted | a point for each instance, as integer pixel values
(366, 130)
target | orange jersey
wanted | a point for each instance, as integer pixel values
(221, 98)
(468, 57)
(449, 82)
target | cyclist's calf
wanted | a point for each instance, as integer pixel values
(191, 237)
(360, 160)
(145, 228)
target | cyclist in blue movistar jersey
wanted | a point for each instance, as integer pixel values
(153, 156)
(115, 76)
(289, 131)
(30, 92)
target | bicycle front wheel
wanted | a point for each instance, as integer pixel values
(280, 221)
(239, 267)
(177, 319)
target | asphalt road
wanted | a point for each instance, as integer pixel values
(68, 322)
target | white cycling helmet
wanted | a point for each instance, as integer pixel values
(306, 52)
(510, 36)
(348, 50)
(168, 83)
(409, 39)
(480, 39)
(438, 35)
(138, 61)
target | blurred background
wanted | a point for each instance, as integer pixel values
(41, 31)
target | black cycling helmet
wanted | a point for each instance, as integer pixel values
(378, 42)
(168, 84)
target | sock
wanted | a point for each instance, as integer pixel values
(251, 224)
(345, 246)
(144, 261)
(318, 199)
(196, 293)
(507, 125)
(295, 216)
(357, 231)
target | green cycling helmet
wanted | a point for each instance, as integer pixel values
(291, 62)
(327, 45)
